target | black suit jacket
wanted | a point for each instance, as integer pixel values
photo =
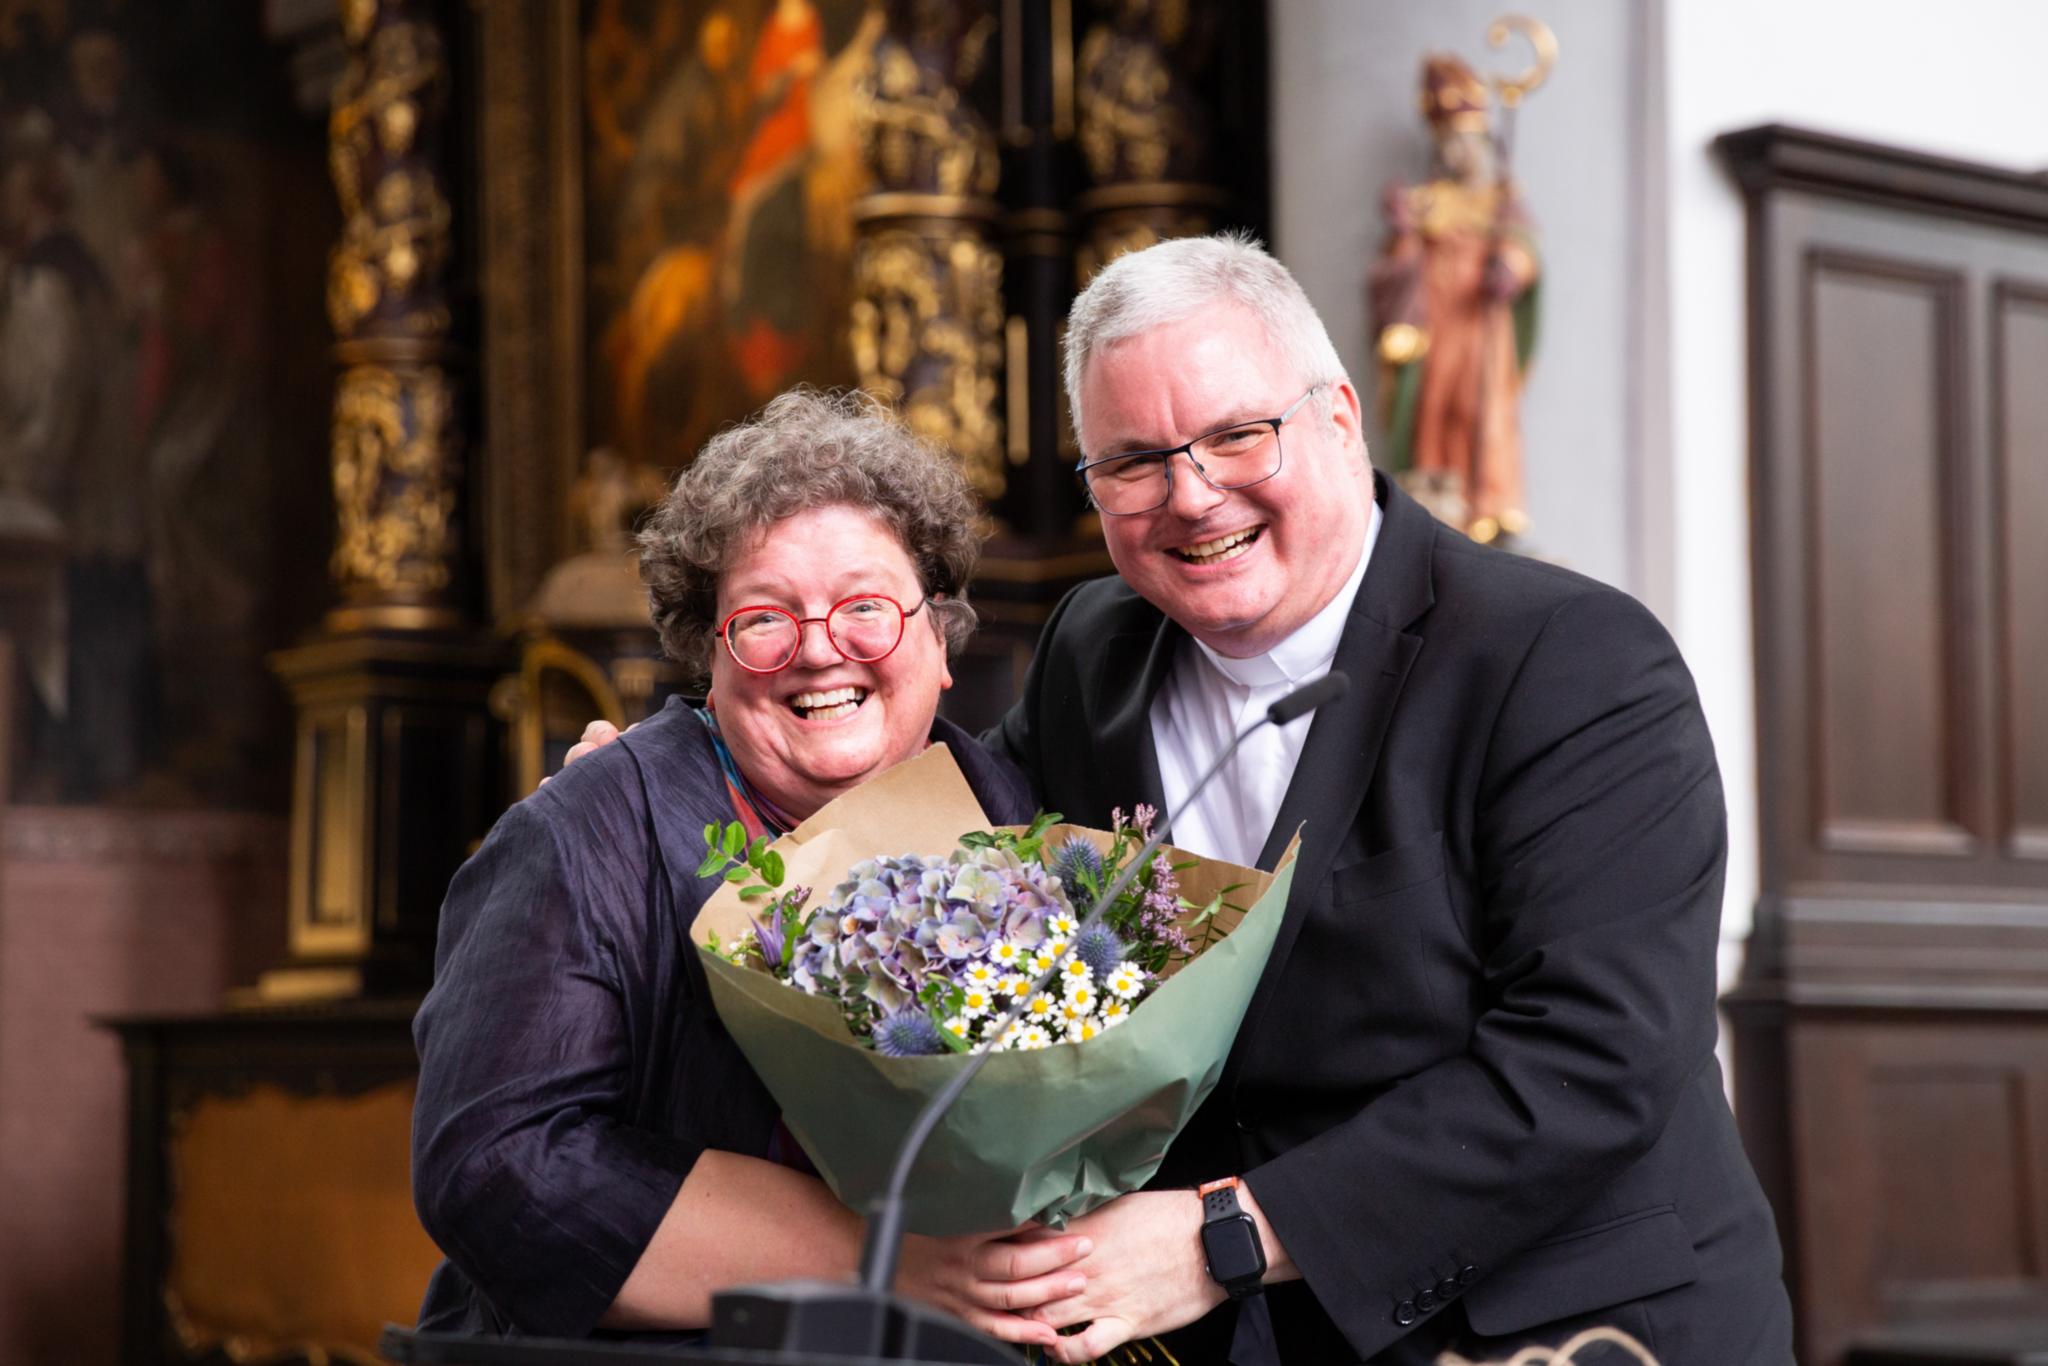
(1476, 1092)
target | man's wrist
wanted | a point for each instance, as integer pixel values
(1231, 1247)
(1279, 1266)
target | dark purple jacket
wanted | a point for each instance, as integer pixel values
(571, 1065)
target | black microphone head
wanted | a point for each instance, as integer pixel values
(1308, 697)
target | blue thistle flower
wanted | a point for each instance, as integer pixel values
(1075, 859)
(908, 1033)
(1098, 947)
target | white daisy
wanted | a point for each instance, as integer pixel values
(1125, 981)
(1062, 925)
(982, 975)
(957, 1026)
(1032, 1037)
(1041, 963)
(1089, 1028)
(1004, 954)
(1114, 1013)
(1041, 1007)
(1016, 986)
(1080, 996)
(976, 1002)
(1075, 973)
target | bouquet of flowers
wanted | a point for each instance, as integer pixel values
(984, 947)
(857, 1006)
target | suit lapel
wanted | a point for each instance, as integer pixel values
(1124, 763)
(1341, 754)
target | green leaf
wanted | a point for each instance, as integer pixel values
(771, 868)
(953, 1042)
(710, 864)
(753, 893)
(738, 873)
(978, 839)
(711, 835)
(735, 840)
(756, 849)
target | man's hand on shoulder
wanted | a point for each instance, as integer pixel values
(596, 736)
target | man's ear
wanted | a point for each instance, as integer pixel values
(1346, 412)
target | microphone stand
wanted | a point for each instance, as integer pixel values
(889, 1323)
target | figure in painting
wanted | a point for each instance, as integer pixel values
(131, 419)
(1453, 301)
(61, 452)
(720, 233)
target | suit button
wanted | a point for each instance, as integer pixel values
(1467, 1275)
(1426, 1301)
(1447, 1288)
(1404, 1313)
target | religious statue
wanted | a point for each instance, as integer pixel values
(1453, 302)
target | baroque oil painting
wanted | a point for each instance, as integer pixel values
(721, 165)
(152, 354)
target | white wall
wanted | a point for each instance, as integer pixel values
(1961, 79)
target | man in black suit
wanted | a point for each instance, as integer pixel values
(1474, 1104)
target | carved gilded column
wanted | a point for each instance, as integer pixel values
(398, 432)
(397, 760)
(1145, 127)
(927, 317)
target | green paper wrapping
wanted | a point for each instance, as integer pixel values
(1044, 1135)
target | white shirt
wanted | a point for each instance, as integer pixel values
(1208, 698)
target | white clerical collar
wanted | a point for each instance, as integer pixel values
(1309, 652)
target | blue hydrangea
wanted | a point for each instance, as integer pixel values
(896, 924)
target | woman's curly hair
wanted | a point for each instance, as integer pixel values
(806, 449)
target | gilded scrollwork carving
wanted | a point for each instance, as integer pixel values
(1144, 127)
(386, 273)
(397, 435)
(1139, 116)
(919, 128)
(1111, 233)
(395, 480)
(927, 337)
(927, 318)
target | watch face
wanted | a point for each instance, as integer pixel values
(1232, 1246)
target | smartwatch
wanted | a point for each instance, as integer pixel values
(1230, 1241)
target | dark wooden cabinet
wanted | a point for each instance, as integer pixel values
(1892, 1028)
(269, 1202)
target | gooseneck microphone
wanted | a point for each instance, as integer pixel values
(883, 1245)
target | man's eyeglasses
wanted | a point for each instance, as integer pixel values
(764, 639)
(1235, 457)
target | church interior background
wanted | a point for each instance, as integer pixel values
(341, 345)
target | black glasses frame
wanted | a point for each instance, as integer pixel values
(904, 614)
(1187, 448)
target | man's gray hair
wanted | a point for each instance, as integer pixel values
(1179, 278)
(806, 450)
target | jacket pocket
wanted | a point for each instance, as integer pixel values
(1389, 871)
(1594, 1268)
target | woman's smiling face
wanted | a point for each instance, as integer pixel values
(792, 732)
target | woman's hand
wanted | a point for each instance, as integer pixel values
(992, 1282)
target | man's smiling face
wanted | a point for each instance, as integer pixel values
(1241, 569)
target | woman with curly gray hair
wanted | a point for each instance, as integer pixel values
(590, 1148)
